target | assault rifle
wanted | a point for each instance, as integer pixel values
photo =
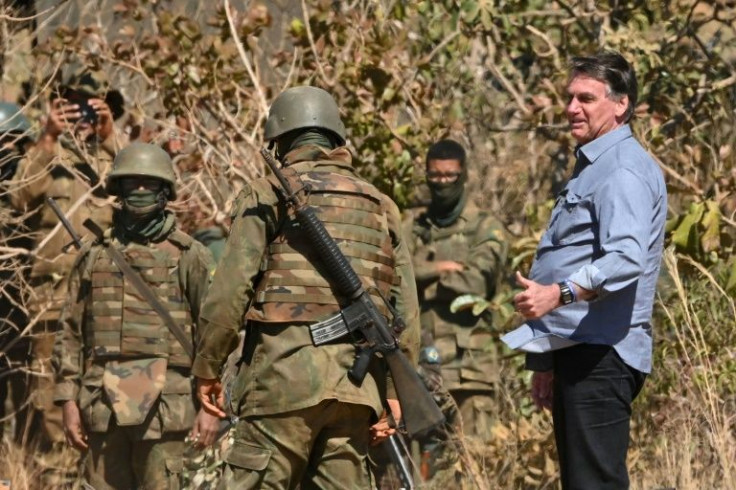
(394, 445)
(418, 409)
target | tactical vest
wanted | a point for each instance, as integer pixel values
(465, 231)
(293, 285)
(120, 323)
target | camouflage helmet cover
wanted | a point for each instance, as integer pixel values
(303, 107)
(12, 119)
(142, 160)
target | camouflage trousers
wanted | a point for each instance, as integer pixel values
(43, 435)
(116, 460)
(324, 446)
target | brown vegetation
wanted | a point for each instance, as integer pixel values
(491, 75)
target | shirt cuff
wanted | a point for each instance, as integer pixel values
(206, 368)
(539, 361)
(589, 277)
(65, 391)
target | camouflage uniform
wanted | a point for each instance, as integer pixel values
(72, 172)
(127, 372)
(72, 175)
(302, 421)
(464, 341)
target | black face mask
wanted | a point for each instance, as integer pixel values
(143, 215)
(448, 199)
(446, 194)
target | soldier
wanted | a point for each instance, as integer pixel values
(303, 422)
(68, 163)
(122, 375)
(15, 137)
(457, 249)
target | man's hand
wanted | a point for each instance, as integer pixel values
(386, 426)
(448, 266)
(204, 431)
(543, 389)
(73, 429)
(209, 392)
(61, 119)
(536, 300)
(104, 126)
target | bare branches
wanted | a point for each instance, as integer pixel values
(305, 12)
(263, 103)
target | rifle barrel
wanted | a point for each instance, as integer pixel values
(65, 222)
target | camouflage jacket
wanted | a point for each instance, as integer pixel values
(74, 176)
(281, 369)
(100, 382)
(463, 340)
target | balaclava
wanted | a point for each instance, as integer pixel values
(448, 198)
(143, 214)
(301, 137)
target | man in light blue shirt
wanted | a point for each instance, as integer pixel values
(588, 300)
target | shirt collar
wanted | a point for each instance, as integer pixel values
(310, 152)
(598, 146)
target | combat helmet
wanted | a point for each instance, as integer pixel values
(12, 119)
(303, 107)
(142, 160)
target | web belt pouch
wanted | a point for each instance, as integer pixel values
(328, 330)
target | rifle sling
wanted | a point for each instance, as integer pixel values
(143, 288)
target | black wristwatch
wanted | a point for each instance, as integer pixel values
(566, 294)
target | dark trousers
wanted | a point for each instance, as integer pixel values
(593, 391)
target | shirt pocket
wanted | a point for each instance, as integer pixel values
(574, 221)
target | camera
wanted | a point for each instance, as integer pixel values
(88, 113)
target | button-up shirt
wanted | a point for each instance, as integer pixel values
(605, 234)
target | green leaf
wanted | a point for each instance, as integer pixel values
(685, 236)
(711, 222)
(465, 302)
(731, 284)
(480, 307)
(297, 28)
(471, 9)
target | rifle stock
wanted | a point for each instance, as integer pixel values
(419, 410)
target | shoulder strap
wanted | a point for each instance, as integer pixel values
(142, 287)
(181, 239)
